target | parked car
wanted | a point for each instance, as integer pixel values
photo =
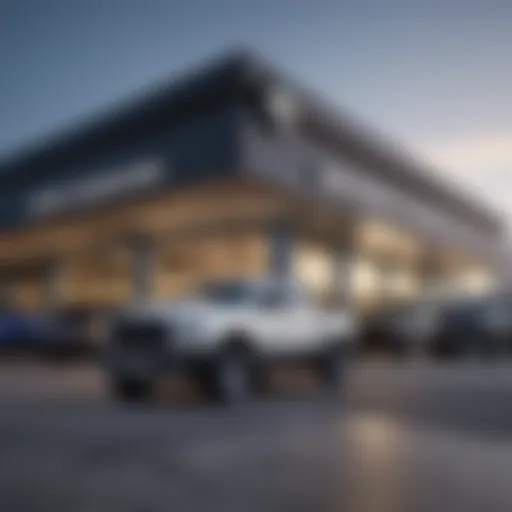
(478, 327)
(403, 329)
(224, 337)
(23, 332)
(62, 334)
(79, 331)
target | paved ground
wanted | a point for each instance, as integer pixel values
(406, 437)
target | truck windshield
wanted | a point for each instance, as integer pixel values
(227, 292)
(465, 311)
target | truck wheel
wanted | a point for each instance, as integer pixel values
(132, 390)
(333, 368)
(231, 376)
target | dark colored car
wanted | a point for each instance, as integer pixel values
(23, 332)
(403, 329)
(78, 331)
(378, 333)
(479, 327)
(53, 335)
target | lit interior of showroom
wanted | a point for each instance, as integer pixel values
(166, 247)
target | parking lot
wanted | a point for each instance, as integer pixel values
(406, 436)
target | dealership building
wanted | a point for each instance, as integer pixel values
(233, 170)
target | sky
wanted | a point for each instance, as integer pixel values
(435, 76)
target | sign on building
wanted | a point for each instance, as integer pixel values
(96, 189)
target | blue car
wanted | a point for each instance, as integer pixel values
(22, 331)
(61, 334)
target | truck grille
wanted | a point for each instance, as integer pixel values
(140, 336)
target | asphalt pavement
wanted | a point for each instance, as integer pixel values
(408, 436)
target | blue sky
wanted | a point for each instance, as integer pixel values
(434, 75)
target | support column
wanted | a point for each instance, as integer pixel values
(5, 291)
(281, 250)
(344, 256)
(143, 270)
(53, 283)
(430, 272)
(387, 273)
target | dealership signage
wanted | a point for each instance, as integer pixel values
(92, 190)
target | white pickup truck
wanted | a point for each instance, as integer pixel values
(224, 337)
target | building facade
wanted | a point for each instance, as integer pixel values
(234, 170)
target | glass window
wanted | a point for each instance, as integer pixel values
(298, 296)
(274, 297)
(229, 292)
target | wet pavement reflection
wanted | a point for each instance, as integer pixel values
(388, 446)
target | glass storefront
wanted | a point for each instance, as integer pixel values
(313, 267)
(383, 263)
(184, 264)
(101, 277)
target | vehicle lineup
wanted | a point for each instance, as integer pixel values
(481, 327)
(446, 329)
(225, 337)
(228, 333)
